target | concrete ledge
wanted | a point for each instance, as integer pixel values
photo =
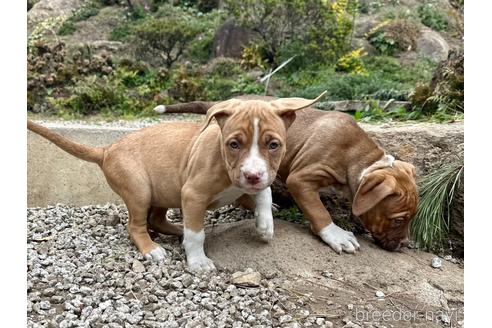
(54, 176)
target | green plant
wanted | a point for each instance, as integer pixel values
(165, 39)
(88, 10)
(437, 190)
(314, 29)
(432, 17)
(389, 37)
(67, 28)
(253, 56)
(352, 62)
(445, 93)
(292, 214)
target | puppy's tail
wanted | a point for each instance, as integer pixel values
(196, 107)
(90, 154)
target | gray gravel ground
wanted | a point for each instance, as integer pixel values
(83, 271)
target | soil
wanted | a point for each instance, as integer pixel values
(343, 287)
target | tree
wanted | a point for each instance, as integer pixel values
(164, 39)
(318, 28)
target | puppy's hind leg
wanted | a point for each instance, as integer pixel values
(158, 222)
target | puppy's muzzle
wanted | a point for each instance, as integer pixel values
(253, 178)
(391, 244)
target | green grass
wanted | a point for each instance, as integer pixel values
(432, 222)
(384, 74)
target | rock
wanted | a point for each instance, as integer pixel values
(445, 319)
(436, 263)
(230, 40)
(138, 266)
(45, 9)
(285, 318)
(246, 279)
(432, 44)
(350, 324)
(113, 219)
(379, 294)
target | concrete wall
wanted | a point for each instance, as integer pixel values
(54, 176)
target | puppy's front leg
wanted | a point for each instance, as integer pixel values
(263, 214)
(307, 198)
(194, 206)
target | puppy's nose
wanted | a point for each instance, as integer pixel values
(405, 242)
(253, 177)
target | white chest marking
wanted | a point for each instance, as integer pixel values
(227, 196)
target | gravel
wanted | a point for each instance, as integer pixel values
(82, 274)
(118, 123)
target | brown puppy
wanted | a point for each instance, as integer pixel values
(194, 167)
(329, 149)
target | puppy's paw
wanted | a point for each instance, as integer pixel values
(158, 254)
(339, 239)
(264, 228)
(200, 264)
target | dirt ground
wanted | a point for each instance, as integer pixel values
(343, 287)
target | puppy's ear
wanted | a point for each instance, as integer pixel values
(375, 187)
(286, 107)
(221, 111)
(407, 167)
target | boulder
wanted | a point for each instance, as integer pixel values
(431, 44)
(231, 38)
(45, 9)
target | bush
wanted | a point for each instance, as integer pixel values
(352, 62)
(88, 10)
(445, 93)
(312, 29)
(392, 36)
(432, 17)
(164, 40)
(384, 75)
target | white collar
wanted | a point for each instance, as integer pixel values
(385, 161)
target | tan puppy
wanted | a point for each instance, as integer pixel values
(329, 149)
(194, 167)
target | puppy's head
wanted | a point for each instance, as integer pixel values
(386, 201)
(253, 140)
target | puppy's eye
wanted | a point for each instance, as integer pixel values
(234, 145)
(273, 145)
(398, 222)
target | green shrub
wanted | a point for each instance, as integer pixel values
(432, 17)
(352, 62)
(392, 36)
(385, 75)
(166, 38)
(88, 10)
(314, 30)
(432, 221)
(67, 28)
(445, 93)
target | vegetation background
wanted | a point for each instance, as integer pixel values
(120, 58)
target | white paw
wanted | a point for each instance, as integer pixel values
(339, 239)
(158, 254)
(264, 227)
(200, 264)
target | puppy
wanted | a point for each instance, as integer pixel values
(328, 149)
(195, 167)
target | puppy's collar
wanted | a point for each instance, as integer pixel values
(385, 161)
